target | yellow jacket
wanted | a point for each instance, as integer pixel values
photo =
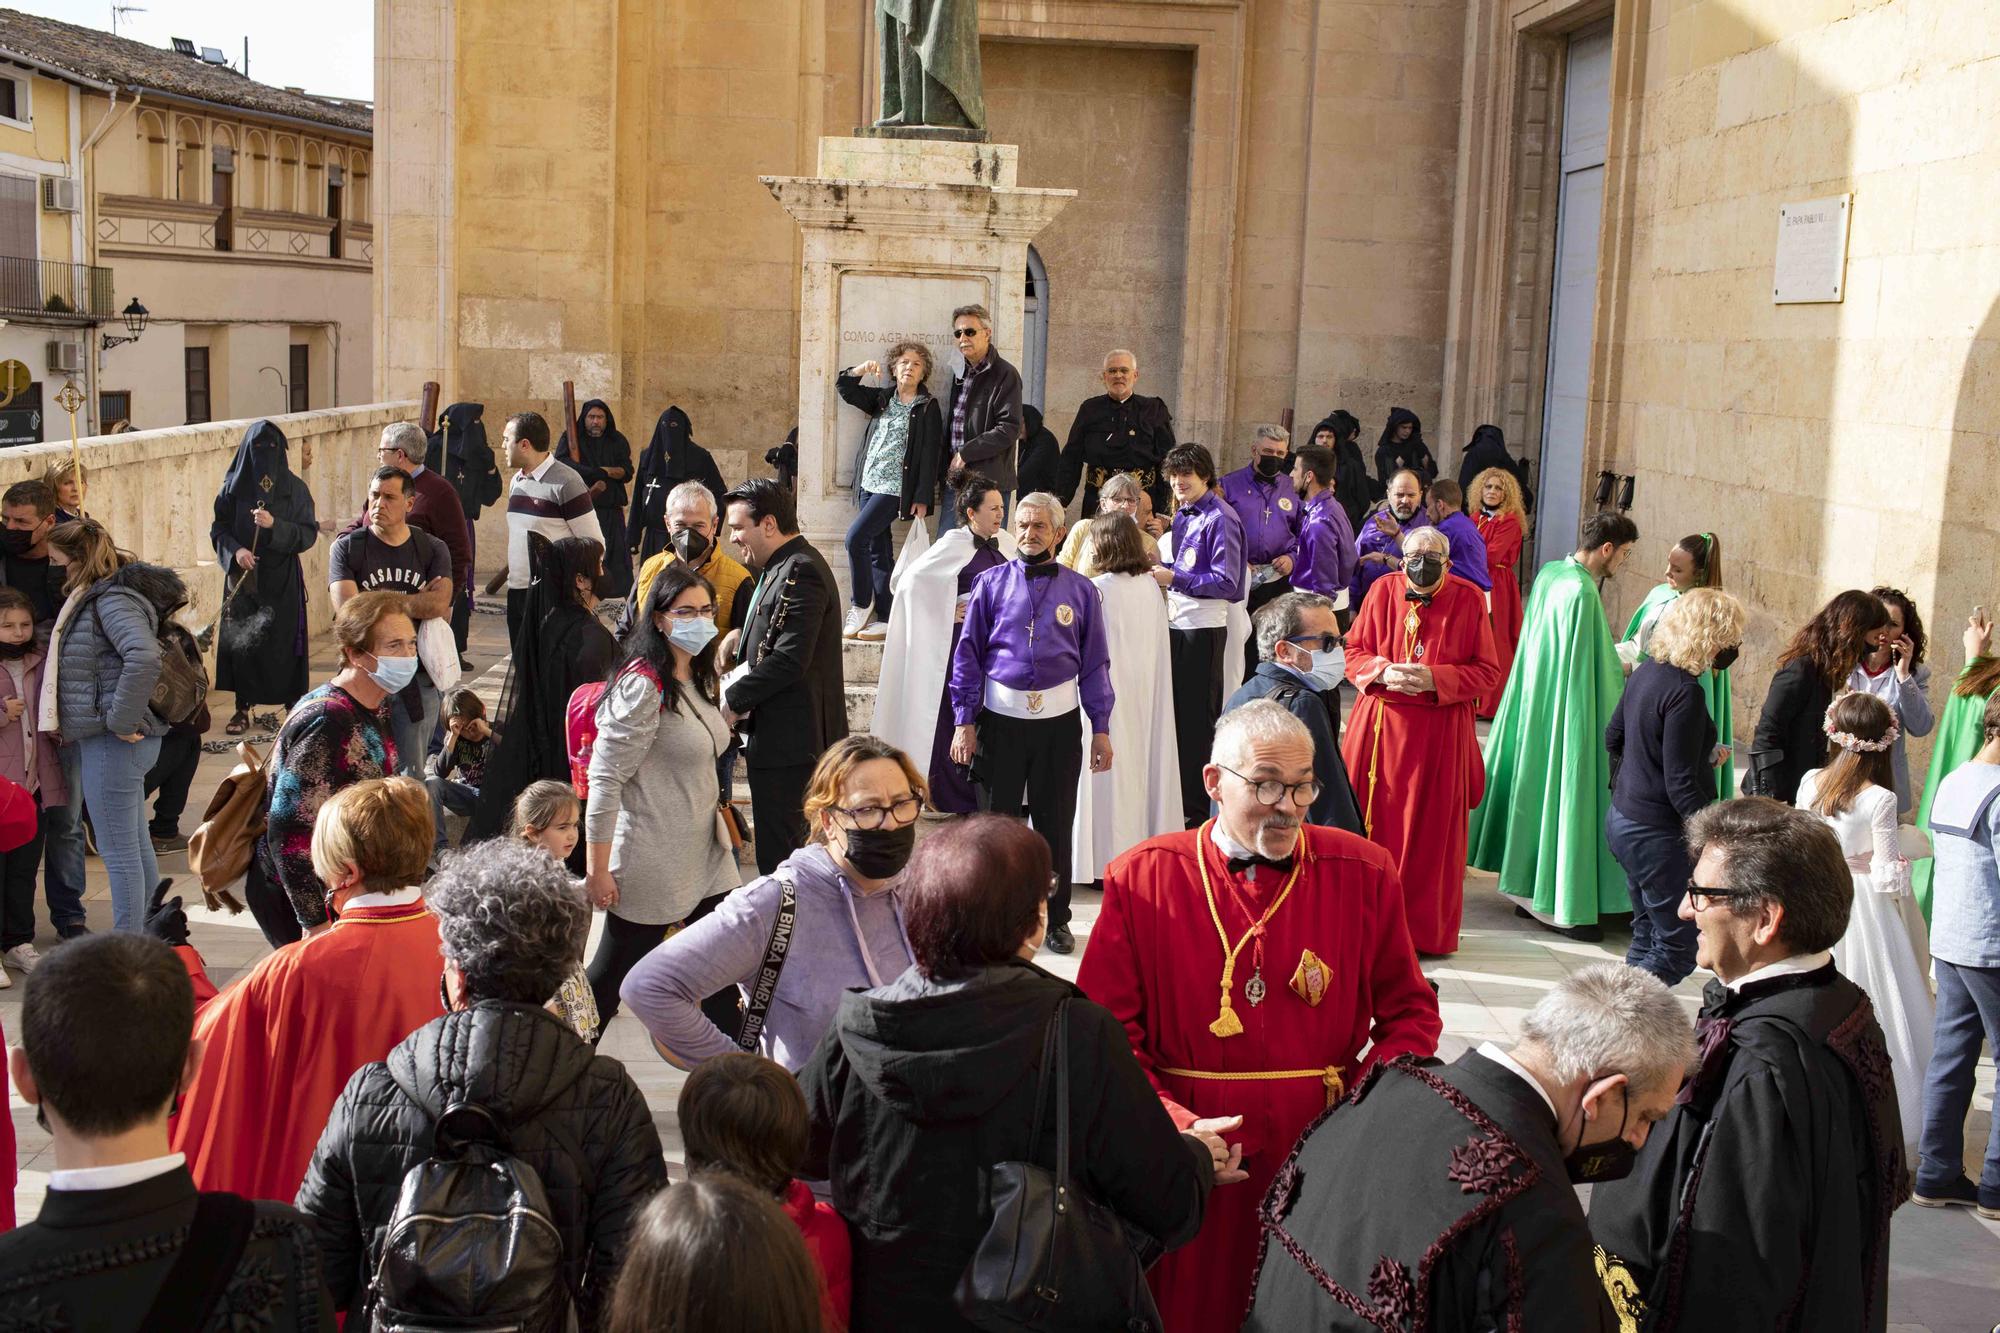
(721, 571)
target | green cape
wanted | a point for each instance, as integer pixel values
(1960, 733)
(1714, 688)
(1548, 778)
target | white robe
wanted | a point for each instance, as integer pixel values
(916, 648)
(1140, 797)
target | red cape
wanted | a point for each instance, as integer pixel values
(1414, 758)
(284, 1040)
(1503, 561)
(1155, 960)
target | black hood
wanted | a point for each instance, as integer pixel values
(461, 436)
(1033, 416)
(949, 1053)
(513, 1059)
(259, 455)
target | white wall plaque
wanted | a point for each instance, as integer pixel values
(1812, 250)
(878, 310)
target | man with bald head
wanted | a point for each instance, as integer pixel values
(1117, 431)
(1251, 960)
(1421, 653)
(1378, 542)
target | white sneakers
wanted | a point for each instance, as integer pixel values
(858, 619)
(875, 631)
(22, 958)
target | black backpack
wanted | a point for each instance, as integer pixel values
(472, 1245)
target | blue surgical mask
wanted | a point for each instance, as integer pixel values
(692, 635)
(393, 673)
(1327, 669)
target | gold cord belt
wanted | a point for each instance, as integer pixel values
(1330, 1076)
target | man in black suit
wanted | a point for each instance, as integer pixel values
(786, 694)
(124, 1240)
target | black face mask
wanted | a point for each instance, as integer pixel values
(690, 545)
(1727, 657)
(1041, 557)
(1595, 1163)
(879, 853)
(16, 542)
(1424, 570)
(1269, 467)
(14, 652)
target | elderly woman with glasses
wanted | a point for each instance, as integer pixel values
(657, 854)
(828, 920)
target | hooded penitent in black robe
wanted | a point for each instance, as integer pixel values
(1762, 1202)
(1352, 489)
(1036, 470)
(260, 651)
(457, 451)
(671, 458)
(1413, 453)
(609, 450)
(1487, 449)
(560, 647)
(1431, 1200)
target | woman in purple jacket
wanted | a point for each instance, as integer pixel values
(846, 930)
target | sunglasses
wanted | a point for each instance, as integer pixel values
(965, 333)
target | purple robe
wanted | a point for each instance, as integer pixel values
(951, 784)
(1208, 550)
(1372, 539)
(1325, 562)
(1031, 631)
(1270, 513)
(1468, 550)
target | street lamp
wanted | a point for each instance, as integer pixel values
(136, 316)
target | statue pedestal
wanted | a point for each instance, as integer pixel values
(898, 232)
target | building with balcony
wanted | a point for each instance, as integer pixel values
(235, 213)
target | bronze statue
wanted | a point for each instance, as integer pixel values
(930, 64)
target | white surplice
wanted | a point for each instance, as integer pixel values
(1140, 797)
(916, 649)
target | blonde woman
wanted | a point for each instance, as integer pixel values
(1502, 520)
(1664, 750)
(1120, 494)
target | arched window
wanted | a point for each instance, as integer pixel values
(152, 149)
(190, 162)
(252, 167)
(285, 188)
(358, 201)
(1035, 331)
(314, 200)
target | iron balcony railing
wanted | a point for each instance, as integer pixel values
(58, 292)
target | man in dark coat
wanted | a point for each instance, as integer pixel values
(1402, 448)
(605, 464)
(1117, 431)
(1300, 665)
(671, 457)
(1471, 1221)
(457, 451)
(1340, 432)
(122, 1210)
(264, 521)
(982, 415)
(792, 702)
(1486, 449)
(1763, 1201)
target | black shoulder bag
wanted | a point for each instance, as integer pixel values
(1053, 1259)
(193, 1287)
(766, 985)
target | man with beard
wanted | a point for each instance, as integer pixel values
(1378, 542)
(1402, 446)
(1340, 435)
(1494, 1234)
(671, 457)
(605, 463)
(1031, 653)
(1446, 507)
(547, 497)
(1325, 562)
(1117, 431)
(1763, 1200)
(1303, 928)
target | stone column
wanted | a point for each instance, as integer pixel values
(897, 233)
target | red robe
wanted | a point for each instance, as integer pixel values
(1155, 960)
(284, 1040)
(1414, 758)
(1503, 560)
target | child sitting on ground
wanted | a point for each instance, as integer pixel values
(744, 1114)
(455, 773)
(547, 815)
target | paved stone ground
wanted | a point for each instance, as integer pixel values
(1945, 1274)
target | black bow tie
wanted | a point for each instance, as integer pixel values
(1412, 595)
(986, 543)
(1239, 864)
(1046, 570)
(1187, 511)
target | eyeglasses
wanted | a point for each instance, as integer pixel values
(1324, 643)
(691, 612)
(877, 816)
(965, 333)
(1270, 791)
(1701, 899)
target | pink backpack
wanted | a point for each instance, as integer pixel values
(580, 722)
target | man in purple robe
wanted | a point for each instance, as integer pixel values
(1378, 547)
(1030, 652)
(1207, 574)
(1325, 561)
(1267, 502)
(1468, 548)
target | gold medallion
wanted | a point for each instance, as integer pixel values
(1285, 503)
(1065, 614)
(1034, 701)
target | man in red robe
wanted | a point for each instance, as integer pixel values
(283, 1041)
(1421, 654)
(1302, 926)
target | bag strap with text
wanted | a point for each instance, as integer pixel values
(775, 950)
(217, 1237)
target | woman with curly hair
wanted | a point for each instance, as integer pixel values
(1694, 562)
(897, 475)
(1815, 665)
(1502, 520)
(1895, 673)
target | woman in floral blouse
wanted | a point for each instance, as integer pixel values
(335, 736)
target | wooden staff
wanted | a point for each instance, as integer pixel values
(569, 421)
(427, 414)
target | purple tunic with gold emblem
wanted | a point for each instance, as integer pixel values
(1208, 550)
(1270, 510)
(1030, 628)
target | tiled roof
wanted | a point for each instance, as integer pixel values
(97, 55)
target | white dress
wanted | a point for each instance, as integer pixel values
(1141, 796)
(1886, 950)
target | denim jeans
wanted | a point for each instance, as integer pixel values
(1968, 1012)
(1657, 869)
(413, 738)
(457, 797)
(871, 550)
(114, 784)
(62, 851)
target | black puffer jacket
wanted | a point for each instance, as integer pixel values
(574, 1116)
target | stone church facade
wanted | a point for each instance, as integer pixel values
(1559, 216)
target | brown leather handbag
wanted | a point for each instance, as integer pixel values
(220, 850)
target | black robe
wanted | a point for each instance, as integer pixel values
(1107, 437)
(1763, 1201)
(1431, 1199)
(671, 458)
(1353, 491)
(260, 653)
(458, 451)
(1488, 449)
(1413, 453)
(609, 450)
(1036, 468)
